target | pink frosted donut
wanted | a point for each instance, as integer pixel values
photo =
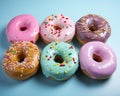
(57, 28)
(97, 60)
(23, 28)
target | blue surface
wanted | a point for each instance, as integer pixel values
(79, 84)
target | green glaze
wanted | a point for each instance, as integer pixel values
(59, 71)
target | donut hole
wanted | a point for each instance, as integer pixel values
(57, 28)
(23, 28)
(21, 57)
(58, 59)
(93, 28)
(97, 58)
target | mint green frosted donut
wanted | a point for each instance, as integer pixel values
(59, 60)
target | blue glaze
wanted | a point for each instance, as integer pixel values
(55, 70)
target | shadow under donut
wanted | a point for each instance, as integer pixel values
(89, 81)
(4, 44)
(76, 44)
(40, 44)
(6, 81)
(42, 80)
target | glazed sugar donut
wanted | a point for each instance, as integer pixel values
(59, 61)
(21, 60)
(92, 28)
(97, 60)
(57, 28)
(23, 28)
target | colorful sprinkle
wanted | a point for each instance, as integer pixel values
(11, 68)
(66, 55)
(66, 61)
(46, 23)
(73, 59)
(66, 26)
(56, 43)
(27, 48)
(70, 66)
(48, 17)
(64, 21)
(57, 73)
(55, 64)
(21, 75)
(65, 72)
(56, 48)
(62, 64)
(14, 52)
(55, 33)
(51, 19)
(51, 32)
(51, 28)
(58, 35)
(70, 25)
(69, 53)
(55, 16)
(51, 69)
(66, 35)
(71, 47)
(50, 57)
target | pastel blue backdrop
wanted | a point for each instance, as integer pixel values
(79, 84)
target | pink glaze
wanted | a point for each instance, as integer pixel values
(97, 69)
(22, 28)
(65, 31)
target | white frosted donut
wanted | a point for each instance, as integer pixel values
(57, 28)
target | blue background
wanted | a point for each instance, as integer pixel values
(79, 84)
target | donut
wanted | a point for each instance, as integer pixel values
(21, 60)
(92, 27)
(97, 60)
(23, 28)
(59, 61)
(57, 28)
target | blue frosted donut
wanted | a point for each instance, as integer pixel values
(59, 61)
